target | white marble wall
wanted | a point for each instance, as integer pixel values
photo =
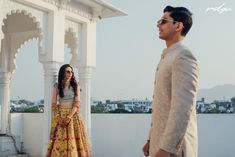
(122, 135)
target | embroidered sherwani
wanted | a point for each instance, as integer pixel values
(174, 123)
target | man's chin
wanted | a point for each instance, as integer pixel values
(160, 37)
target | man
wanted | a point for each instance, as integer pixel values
(173, 130)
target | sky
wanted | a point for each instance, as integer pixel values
(128, 50)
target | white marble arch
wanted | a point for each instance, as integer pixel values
(19, 26)
(52, 23)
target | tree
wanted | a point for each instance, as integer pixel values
(233, 100)
(98, 108)
(108, 101)
(34, 109)
(214, 110)
(42, 101)
(119, 111)
(121, 106)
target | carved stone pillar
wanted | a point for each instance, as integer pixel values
(50, 77)
(85, 84)
(5, 78)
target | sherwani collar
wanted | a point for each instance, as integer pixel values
(172, 47)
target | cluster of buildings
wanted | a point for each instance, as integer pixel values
(216, 106)
(144, 106)
(23, 105)
(132, 105)
(127, 106)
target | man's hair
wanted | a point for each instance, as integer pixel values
(181, 14)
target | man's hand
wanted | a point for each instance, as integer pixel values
(146, 149)
(162, 153)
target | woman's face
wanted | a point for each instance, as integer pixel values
(68, 73)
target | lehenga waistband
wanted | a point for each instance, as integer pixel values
(65, 106)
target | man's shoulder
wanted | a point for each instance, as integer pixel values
(184, 51)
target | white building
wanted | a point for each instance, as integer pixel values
(129, 105)
(53, 23)
(111, 107)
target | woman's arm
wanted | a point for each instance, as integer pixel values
(55, 107)
(54, 98)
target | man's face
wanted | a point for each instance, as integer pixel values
(166, 26)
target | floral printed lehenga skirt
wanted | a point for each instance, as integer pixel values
(70, 141)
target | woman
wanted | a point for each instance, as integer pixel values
(68, 137)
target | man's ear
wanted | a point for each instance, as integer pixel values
(179, 26)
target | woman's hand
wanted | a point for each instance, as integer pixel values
(67, 120)
(63, 122)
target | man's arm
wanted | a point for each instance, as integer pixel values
(183, 97)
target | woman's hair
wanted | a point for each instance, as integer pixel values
(61, 82)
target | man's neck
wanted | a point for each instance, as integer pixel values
(173, 41)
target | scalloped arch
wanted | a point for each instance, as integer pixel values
(14, 65)
(26, 15)
(71, 39)
(28, 23)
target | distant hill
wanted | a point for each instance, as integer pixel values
(220, 92)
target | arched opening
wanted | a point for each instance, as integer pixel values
(25, 86)
(18, 28)
(70, 55)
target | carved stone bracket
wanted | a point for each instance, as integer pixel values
(63, 4)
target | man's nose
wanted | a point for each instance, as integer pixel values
(158, 25)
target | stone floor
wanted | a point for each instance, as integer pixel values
(10, 147)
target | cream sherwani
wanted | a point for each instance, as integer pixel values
(174, 123)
